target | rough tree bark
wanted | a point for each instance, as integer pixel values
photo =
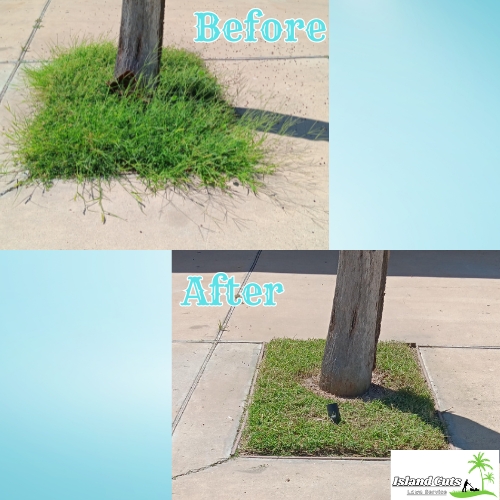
(350, 352)
(141, 38)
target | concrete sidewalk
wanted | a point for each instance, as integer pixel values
(292, 79)
(448, 302)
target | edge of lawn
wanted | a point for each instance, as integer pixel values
(236, 452)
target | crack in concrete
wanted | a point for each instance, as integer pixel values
(38, 23)
(269, 458)
(194, 471)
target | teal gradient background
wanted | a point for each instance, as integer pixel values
(85, 375)
(415, 124)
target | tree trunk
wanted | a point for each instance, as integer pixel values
(351, 345)
(141, 38)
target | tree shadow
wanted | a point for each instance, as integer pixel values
(469, 435)
(407, 401)
(461, 432)
(425, 263)
(278, 261)
(289, 125)
(445, 263)
(403, 400)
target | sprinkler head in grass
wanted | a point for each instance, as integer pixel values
(333, 412)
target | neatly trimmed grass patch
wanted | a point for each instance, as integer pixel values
(468, 494)
(287, 418)
(183, 130)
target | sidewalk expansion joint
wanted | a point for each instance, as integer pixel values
(215, 342)
(35, 61)
(25, 61)
(263, 58)
(220, 341)
(24, 50)
(459, 346)
(333, 458)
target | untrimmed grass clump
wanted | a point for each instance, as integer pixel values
(287, 418)
(183, 130)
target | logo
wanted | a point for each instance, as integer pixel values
(455, 473)
(481, 465)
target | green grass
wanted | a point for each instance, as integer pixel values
(286, 418)
(467, 494)
(183, 131)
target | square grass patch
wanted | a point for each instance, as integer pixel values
(287, 417)
(179, 131)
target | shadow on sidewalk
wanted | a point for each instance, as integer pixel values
(303, 128)
(428, 263)
(469, 435)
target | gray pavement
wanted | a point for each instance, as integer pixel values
(190, 324)
(263, 478)
(291, 211)
(16, 25)
(428, 310)
(186, 363)
(65, 20)
(208, 427)
(434, 299)
(468, 394)
(5, 71)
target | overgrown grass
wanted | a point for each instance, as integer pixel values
(286, 418)
(183, 130)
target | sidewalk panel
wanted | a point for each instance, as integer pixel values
(16, 24)
(13, 101)
(302, 311)
(297, 87)
(5, 71)
(428, 311)
(442, 311)
(202, 323)
(181, 21)
(186, 363)
(66, 19)
(208, 427)
(290, 479)
(466, 383)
